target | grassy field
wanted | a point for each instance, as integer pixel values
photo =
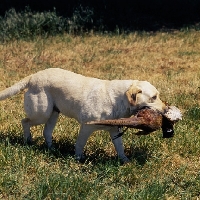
(159, 169)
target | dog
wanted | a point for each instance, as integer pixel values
(54, 90)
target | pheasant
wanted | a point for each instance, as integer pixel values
(148, 120)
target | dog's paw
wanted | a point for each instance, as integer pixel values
(80, 158)
(28, 141)
(125, 160)
(52, 148)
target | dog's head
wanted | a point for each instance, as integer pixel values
(143, 94)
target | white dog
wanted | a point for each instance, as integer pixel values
(54, 90)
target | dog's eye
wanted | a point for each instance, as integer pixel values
(154, 97)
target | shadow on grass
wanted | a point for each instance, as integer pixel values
(140, 154)
(65, 148)
(62, 148)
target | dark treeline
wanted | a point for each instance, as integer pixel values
(112, 14)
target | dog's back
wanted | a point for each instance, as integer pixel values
(80, 97)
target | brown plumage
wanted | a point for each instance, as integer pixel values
(146, 119)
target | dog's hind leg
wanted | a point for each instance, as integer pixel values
(39, 110)
(27, 123)
(27, 133)
(49, 126)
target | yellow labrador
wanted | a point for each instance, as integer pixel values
(55, 90)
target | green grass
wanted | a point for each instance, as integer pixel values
(159, 168)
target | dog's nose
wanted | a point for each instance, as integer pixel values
(165, 107)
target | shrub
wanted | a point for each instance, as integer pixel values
(28, 24)
(81, 20)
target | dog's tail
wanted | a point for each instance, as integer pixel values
(14, 89)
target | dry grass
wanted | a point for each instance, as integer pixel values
(162, 58)
(170, 61)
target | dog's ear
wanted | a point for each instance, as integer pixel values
(131, 94)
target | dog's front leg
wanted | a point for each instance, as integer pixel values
(84, 134)
(118, 143)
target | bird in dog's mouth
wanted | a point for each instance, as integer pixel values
(148, 120)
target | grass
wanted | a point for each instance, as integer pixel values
(159, 169)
